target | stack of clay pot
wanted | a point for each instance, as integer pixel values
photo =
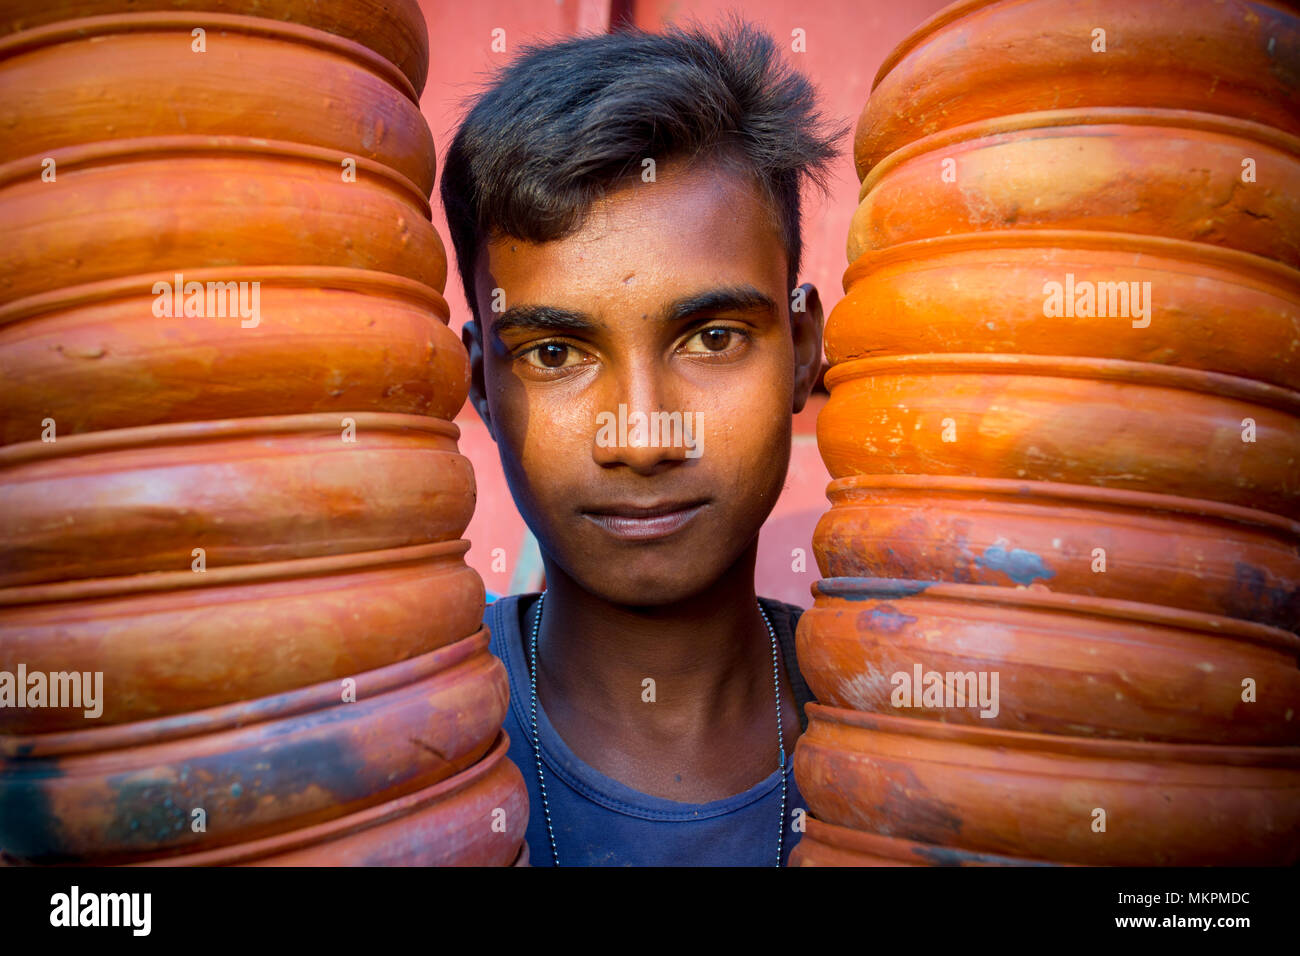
(1090, 491)
(244, 510)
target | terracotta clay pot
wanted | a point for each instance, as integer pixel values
(1036, 795)
(827, 845)
(180, 641)
(478, 820)
(1137, 426)
(330, 340)
(978, 59)
(395, 29)
(990, 292)
(246, 490)
(257, 78)
(1154, 172)
(1040, 662)
(256, 768)
(457, 822)
(1176, 552)
(154, 207)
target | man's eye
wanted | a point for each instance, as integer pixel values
(552, 355)
(714, 339)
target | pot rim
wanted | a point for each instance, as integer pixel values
(1094, 370)
(1122, 116)
(241, 714)
(899, 848)
(288, 841)
(345, 278)
(930, 25)
(1248, 757)
(948, 15)
(1079, 495)
(1232, 262)
(1056, 602)
(217, 429)
(82, 28)
(144, 149)
(151, 582)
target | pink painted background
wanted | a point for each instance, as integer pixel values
(845, 42)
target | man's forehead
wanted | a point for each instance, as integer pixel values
(689, 219)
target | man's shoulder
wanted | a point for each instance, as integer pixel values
(789, 612)
(502, 620)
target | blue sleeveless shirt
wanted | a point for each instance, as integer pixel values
(601, 822)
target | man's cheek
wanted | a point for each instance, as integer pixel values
(522, 430)
(744, 439)
(553, 438)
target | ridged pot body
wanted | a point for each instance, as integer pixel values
(995, 657)
(1035, 796)
(175, 642)
(1074, 294)
(255, 768)
(475, 818)
(133, 501)
(149, 81)
(1156, 173)
(229, 481)
(328, 340)
(826, 845)
(1107, 424)
(152, 210)
(1062, 555)
(1178, 553)
(395, 29)
(976, 60)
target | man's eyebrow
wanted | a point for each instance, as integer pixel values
(542, 318)
(739, 298)
(547, 318)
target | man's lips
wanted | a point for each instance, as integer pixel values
(642, 522)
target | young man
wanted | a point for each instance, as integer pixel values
(625, 214)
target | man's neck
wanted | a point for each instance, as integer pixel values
(674, 700)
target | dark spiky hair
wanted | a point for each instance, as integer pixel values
(564, 123)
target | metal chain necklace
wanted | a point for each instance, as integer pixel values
(537, 746)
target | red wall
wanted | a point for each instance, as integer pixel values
(845, 42)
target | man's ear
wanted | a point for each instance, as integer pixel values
(472, 336)
(806, 326)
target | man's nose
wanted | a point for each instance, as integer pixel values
(639, 425)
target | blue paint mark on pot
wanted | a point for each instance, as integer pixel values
(870, 589)
(949, 856)
(1256, 596)
(1021, 566)
(885, 619)
(31, 830)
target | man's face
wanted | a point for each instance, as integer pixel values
(671, 299)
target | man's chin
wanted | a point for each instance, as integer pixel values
(648, 594)
(632, 587)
